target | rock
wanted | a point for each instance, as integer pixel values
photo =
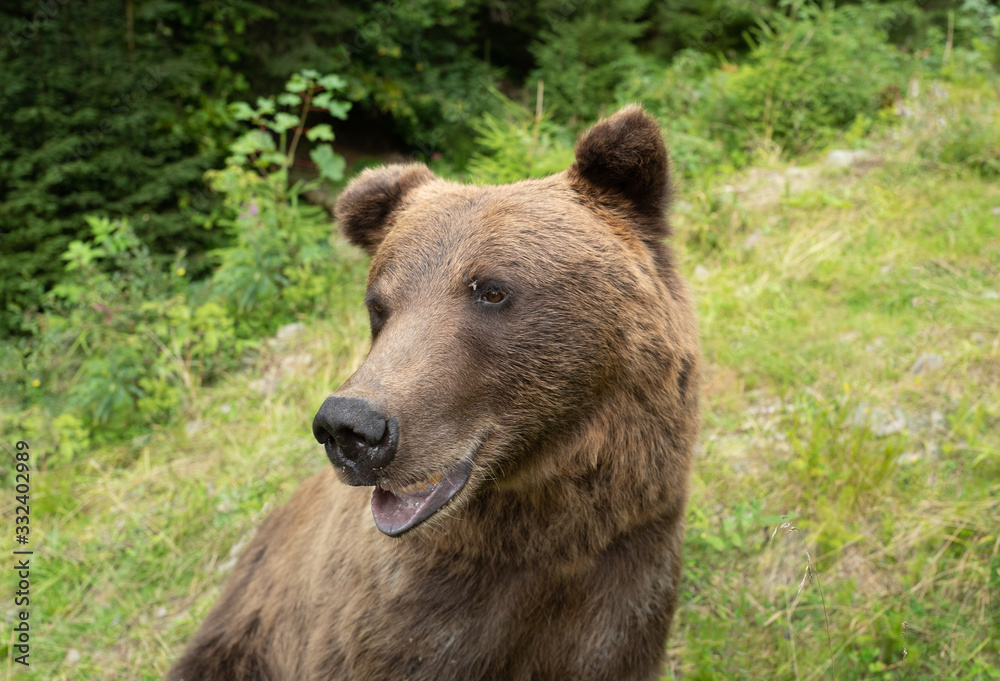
(995, 210)
(930, 361)
(880, 422)
(161, 612)
(266, 384)
(889, 424)
(285, 334)
(931, 451)
(192, 427)
(753, 240)
(290, 331)
(876, 343)
(702, 273)
(72, 657)
(234, 555)
(226, 408)
(845, 158)
(294, 362)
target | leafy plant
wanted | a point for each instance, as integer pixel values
(125, 344)
(519, 145)
(583, 51)
(281, 246)
(809, 75)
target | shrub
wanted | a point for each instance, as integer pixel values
(958, 126)
(808, 76)
(518, 146)
(584, 51)
(124, 344)
(93, 124)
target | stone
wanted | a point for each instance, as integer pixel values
(930, 361)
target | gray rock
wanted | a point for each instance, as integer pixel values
(752, 240)
(845, 158)
(930, 361)
(290, 331)
(72, 657)
(880, 422)
(876, 343)
(701, 273)
(266, 384)
(889, 423)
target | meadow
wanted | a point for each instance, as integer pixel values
(844, 520)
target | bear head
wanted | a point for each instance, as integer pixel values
(520, 333)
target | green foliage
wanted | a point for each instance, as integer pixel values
(712, 26)
(810, 75)
(120, 118)
(125, 344)
(103, 331)
(421, 69)
(280, 245)
(518, 146)
(582, 53)
(960, 134)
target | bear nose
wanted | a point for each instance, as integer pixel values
(358, 439)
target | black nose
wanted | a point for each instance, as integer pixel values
(358, 439)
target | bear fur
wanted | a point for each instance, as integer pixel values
(541, 332)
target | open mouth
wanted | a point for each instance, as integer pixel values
(398, 509)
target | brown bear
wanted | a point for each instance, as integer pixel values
(520, 432)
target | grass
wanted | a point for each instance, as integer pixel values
(818, 291)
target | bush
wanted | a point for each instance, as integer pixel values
(518, 146)
(958, 127)
(125, 344)
(808, 76)
(93, 124)
(584, 51)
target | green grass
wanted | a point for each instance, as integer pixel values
(811, 329)
(817, 292)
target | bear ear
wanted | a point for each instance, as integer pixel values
(365, 205)
(622, 159)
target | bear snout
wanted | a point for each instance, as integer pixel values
(359, 440)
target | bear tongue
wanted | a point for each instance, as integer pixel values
(396, 513)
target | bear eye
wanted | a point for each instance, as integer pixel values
(493, 297)
(376, 316)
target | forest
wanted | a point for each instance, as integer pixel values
(175, 299)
